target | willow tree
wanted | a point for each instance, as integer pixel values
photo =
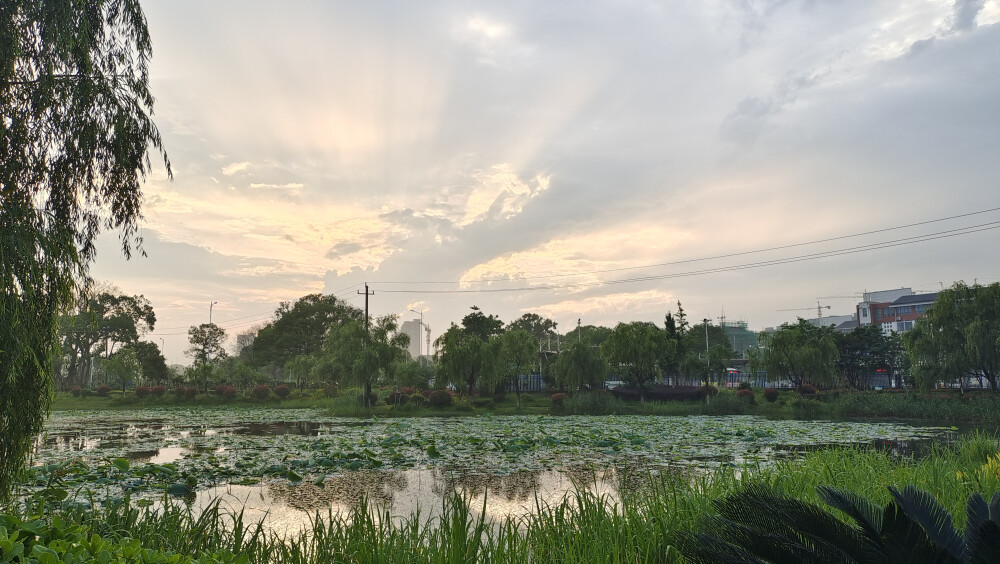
(75, 137)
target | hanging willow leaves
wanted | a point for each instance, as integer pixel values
(75, 134)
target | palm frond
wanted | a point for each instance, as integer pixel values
(865, 513)
(924, 509)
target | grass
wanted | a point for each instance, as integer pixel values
(584, 528)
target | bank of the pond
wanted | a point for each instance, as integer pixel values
(979, 407)
(584, 528)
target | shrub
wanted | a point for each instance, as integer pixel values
(396, 398)
(418, 400)
(158, 391)
(282, 391)
(806, 390)
(744, 386)
(190, 392)
(260, 392)
(439, 399)
(179, 390)
(771, 394)
(76, 391)
(330, 390)
(142, 391)
(709, 390)
(103, 391)
(746, 396)
(86, 393)
(558, 402)
(601, 402)
(225, 392)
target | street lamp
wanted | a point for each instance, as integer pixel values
(420, 332)
(708, 365)
(208, 353)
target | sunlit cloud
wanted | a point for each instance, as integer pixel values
(624, 306)
(233, 168)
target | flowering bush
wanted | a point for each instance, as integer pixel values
(806, 390)
(103, 391)
(225, 392)
(190, 392)
(771, 394)
(747, 396)
(76, 391)
(158, 391)
(142, 391)
(282, 391)
(260, 392)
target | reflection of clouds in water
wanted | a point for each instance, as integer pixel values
(346, 490)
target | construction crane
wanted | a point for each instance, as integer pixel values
(819, 309)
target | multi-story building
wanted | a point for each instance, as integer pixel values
(893, 310)
(413, 329)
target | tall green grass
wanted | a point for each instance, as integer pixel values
(641, 527)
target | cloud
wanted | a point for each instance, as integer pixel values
(233, 168)
(964, 16)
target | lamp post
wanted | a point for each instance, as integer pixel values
(420, 332)
(208, 353)
(708, 365)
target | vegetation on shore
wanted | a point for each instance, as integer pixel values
(644, 527)
(972, 407)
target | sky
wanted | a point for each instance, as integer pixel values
(593, 161)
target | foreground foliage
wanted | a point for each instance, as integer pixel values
(760, 525)
(644, 526)
(74, 141)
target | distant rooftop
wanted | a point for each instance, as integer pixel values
(915, 299)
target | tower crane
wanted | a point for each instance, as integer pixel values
(819, 309)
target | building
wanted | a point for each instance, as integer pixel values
(893, 310)
(413, 329)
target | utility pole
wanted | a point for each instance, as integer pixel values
(366, 294)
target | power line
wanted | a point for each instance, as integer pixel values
(702, 259)
(732, 268)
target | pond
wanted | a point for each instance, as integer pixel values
(289, 464)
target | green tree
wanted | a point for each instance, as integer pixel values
(299, 329)
(859, 353)
(592, 335)
(518, 351)
(206, 345)
(959, 337)
(478, 324)
(151, 360)
(540, 328)
(461, 359)
(579, 366)
(366, 357)
(802, 353)
(635, 351)
(74, 139)
(121, 368)
(702, 361)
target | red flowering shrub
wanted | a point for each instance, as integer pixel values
(76, 391)
(282, 391)
(771, 394)
(142, 391)
(158, 391)
(103, 391)
(260, 392)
